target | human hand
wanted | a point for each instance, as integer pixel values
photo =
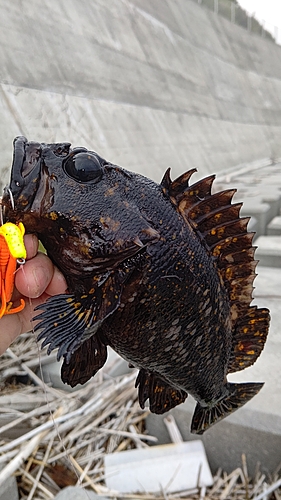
(37, 280)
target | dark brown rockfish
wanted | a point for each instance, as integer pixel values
(162, 273)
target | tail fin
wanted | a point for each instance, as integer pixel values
(237, 395)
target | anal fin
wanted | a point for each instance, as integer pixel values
(236, 396)
(162, 396)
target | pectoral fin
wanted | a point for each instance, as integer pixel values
(84, 362)
(67, 321)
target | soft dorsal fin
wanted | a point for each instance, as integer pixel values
(224, 233)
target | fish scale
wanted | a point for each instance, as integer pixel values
(162, 273)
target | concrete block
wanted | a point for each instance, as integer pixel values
(274, 227)
(172, 468)
(76, 493)
(177, 87)
(9, 490)
(257, 185)
(269, 251)
(229, 439)
(253, 225)
(272, 197)
(260, 211)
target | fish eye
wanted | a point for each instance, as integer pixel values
(83, 167)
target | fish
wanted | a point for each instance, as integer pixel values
(161, 273)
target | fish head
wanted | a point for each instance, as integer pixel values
(81, 207)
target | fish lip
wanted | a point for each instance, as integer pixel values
(26, 162)
(27, 172)
(25, 175)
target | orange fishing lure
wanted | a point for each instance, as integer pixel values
(12, 251)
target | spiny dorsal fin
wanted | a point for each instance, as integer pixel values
(218, 216)
(217, 222)
(175, 188)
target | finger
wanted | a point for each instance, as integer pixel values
(10, 329)
(34, 276)
(57, 284)
(31, 245)
(15, 324)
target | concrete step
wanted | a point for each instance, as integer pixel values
(262, 207)
(9, 490)
(269, 250)
(274, 227)
(260, 192)
(78, 493)
(260, 211)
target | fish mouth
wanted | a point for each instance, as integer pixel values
(28, 175)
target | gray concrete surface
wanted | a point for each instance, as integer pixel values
(259, 188)
(9, 490)
(147, 84)
(274, 227)
(76, 493)
(269, 251)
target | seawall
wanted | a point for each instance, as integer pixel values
(146, 84)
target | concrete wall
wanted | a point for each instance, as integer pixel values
(146, 84)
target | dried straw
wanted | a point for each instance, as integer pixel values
(63, 436)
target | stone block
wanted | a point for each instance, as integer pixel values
(9, 489)
(269, 251)
(226, 441)
(274, 227)
(77, 493)
(259, 210)
(171, 468)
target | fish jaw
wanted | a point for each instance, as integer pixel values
(24, 182)
(30, 180)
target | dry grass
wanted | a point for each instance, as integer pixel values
(50, 438)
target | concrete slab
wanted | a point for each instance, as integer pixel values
(260, 211)
(255, 429)
(273, 200)
(259, 188)
(9, 490)
(76, 493)
(171, 468)
(164, 83)
(274, 227)
(253, 225)
(272, 197)
(269, 250)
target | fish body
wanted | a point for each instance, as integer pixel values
(162, 273)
